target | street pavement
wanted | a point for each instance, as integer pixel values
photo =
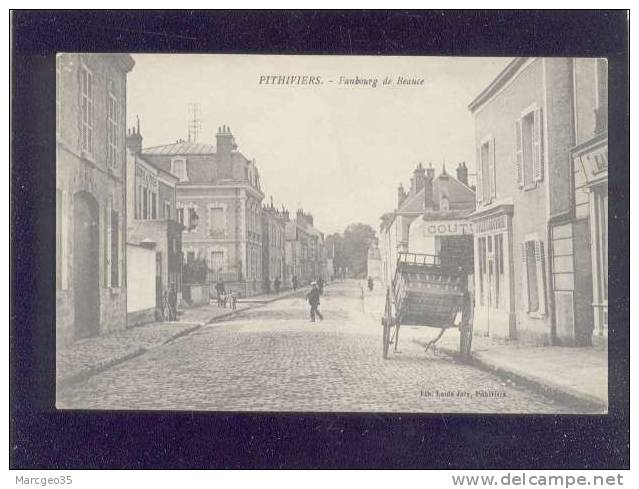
(272, 358)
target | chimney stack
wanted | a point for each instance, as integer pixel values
(401, 195)
(134, 139)
(420, 177)
(224, 148)
(428, 188)
(462, 173)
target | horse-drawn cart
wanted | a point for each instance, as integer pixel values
(428, 290)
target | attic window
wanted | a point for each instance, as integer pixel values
(178, 168)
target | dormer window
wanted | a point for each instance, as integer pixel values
(178, 168)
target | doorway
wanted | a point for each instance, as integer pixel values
(86, 266)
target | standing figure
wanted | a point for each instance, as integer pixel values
(294, 282)
(172, 303)
(370, 284)
(313, 298)
(233, 300)
(219, 288)
(277, 284)
(320, 285)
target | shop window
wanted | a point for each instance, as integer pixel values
(529, 151)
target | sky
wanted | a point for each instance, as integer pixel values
(338, 151)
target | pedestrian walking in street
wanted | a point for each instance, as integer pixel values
(277, 284)
(233, 299)
(294, 282)
(370, 284)
(172, 303)
(313, 298)
(220, 290)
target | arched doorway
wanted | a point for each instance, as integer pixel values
(86, 265)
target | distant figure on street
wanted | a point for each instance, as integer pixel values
(220, 290)
(313, 298)
(233, 299)
(277, 284)
(370, 284)
(294, 282)
(172, 303)
(320, 286)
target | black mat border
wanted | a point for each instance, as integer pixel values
(42, 438)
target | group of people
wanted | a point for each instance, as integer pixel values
(225, 298)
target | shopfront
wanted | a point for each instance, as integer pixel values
(494, 301)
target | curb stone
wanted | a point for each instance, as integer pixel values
(591, 404)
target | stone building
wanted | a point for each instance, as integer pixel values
(90, 194)
(274, 247)
(534, 278)
(152, 224)
(305, 250)
(219, 202)
(431, 218)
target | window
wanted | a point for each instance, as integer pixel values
(145, 203)
(86, 106)
(486, 179)
(115, 247)
(217, 224)
(192, 219)
(529, 151)
(154, 205)
(180, 215)
(217, 261)
(167, 209)
(178, 168)
(533, 286)
(112, 128)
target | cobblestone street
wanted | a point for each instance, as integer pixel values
(273, 358)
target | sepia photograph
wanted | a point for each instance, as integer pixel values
(330, 233)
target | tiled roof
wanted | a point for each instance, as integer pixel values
(457, 193)
(183, 148)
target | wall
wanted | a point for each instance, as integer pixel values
(141, 279)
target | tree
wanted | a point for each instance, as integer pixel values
(352, 248)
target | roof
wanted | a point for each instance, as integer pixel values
(500, 80)
(456, 191)
(181, 148)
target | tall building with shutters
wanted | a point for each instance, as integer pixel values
(91, 283)
(531, 282)
(219, 203)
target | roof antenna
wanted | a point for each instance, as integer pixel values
(195, 123)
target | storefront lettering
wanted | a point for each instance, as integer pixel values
(448, 228)
(491, 224)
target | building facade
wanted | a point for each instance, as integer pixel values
(219, 203)
(152, 223)
(274, 248)
(431, 218)
(90, 194)
(306, 259)
(532, 257)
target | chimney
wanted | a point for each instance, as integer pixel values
(225, 146)
(462, 173)
(134, 139)
(420, 177)
(428, 188)
(401, 195)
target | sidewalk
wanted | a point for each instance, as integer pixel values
(580, 373)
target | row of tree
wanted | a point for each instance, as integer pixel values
(350, 249)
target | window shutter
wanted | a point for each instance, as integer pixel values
(524, 278)
(538, 160)
(479, 196)
(491, 168)
(541, 283)
(519, 160)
